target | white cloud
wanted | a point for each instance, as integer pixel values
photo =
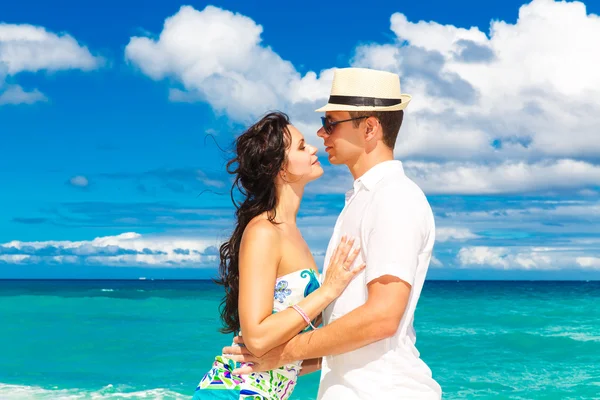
(14, 94)
(482, 255)
(587, 241)
(13, 258)
(445, 234)
(588, 212)
(127, 249)
(533, 86)
(217, 55)
(435, 262)
(33, 48)
(80, 181)
(525, 258)
(507, 177)
(589, 262)
(431, 35)
(460, 177)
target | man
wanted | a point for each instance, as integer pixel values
(368, 340)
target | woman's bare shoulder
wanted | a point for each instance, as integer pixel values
(262, 231)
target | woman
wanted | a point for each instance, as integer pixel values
(272, 287)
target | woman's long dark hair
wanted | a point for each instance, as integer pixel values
(259, 157)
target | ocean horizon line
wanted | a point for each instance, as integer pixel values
(145, 279)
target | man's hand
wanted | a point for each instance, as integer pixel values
(269, 361)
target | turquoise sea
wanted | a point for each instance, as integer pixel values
(155, 339)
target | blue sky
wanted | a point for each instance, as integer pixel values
(106, 169)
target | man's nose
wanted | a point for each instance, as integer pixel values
(321, 133)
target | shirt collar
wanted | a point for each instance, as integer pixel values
(370, 178)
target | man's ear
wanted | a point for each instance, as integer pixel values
(373, 128)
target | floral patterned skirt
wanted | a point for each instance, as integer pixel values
(276, 384)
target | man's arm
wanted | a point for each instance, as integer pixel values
(377, 319)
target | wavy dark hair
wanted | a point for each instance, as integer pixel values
(260, 153)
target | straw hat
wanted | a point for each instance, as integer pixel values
(361, 89)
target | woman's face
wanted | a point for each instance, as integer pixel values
(302, 162)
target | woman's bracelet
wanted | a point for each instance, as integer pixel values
(303, 315)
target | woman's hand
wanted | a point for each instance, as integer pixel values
(339, 274)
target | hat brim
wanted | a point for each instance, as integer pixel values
(343, 107)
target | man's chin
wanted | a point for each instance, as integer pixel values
(333, 160)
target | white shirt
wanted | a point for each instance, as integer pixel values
(392, 219)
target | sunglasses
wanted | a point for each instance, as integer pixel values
(329, 125)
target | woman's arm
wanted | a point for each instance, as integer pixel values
(310, 366)
(260, 254)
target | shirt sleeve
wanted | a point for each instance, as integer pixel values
(395, 232)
